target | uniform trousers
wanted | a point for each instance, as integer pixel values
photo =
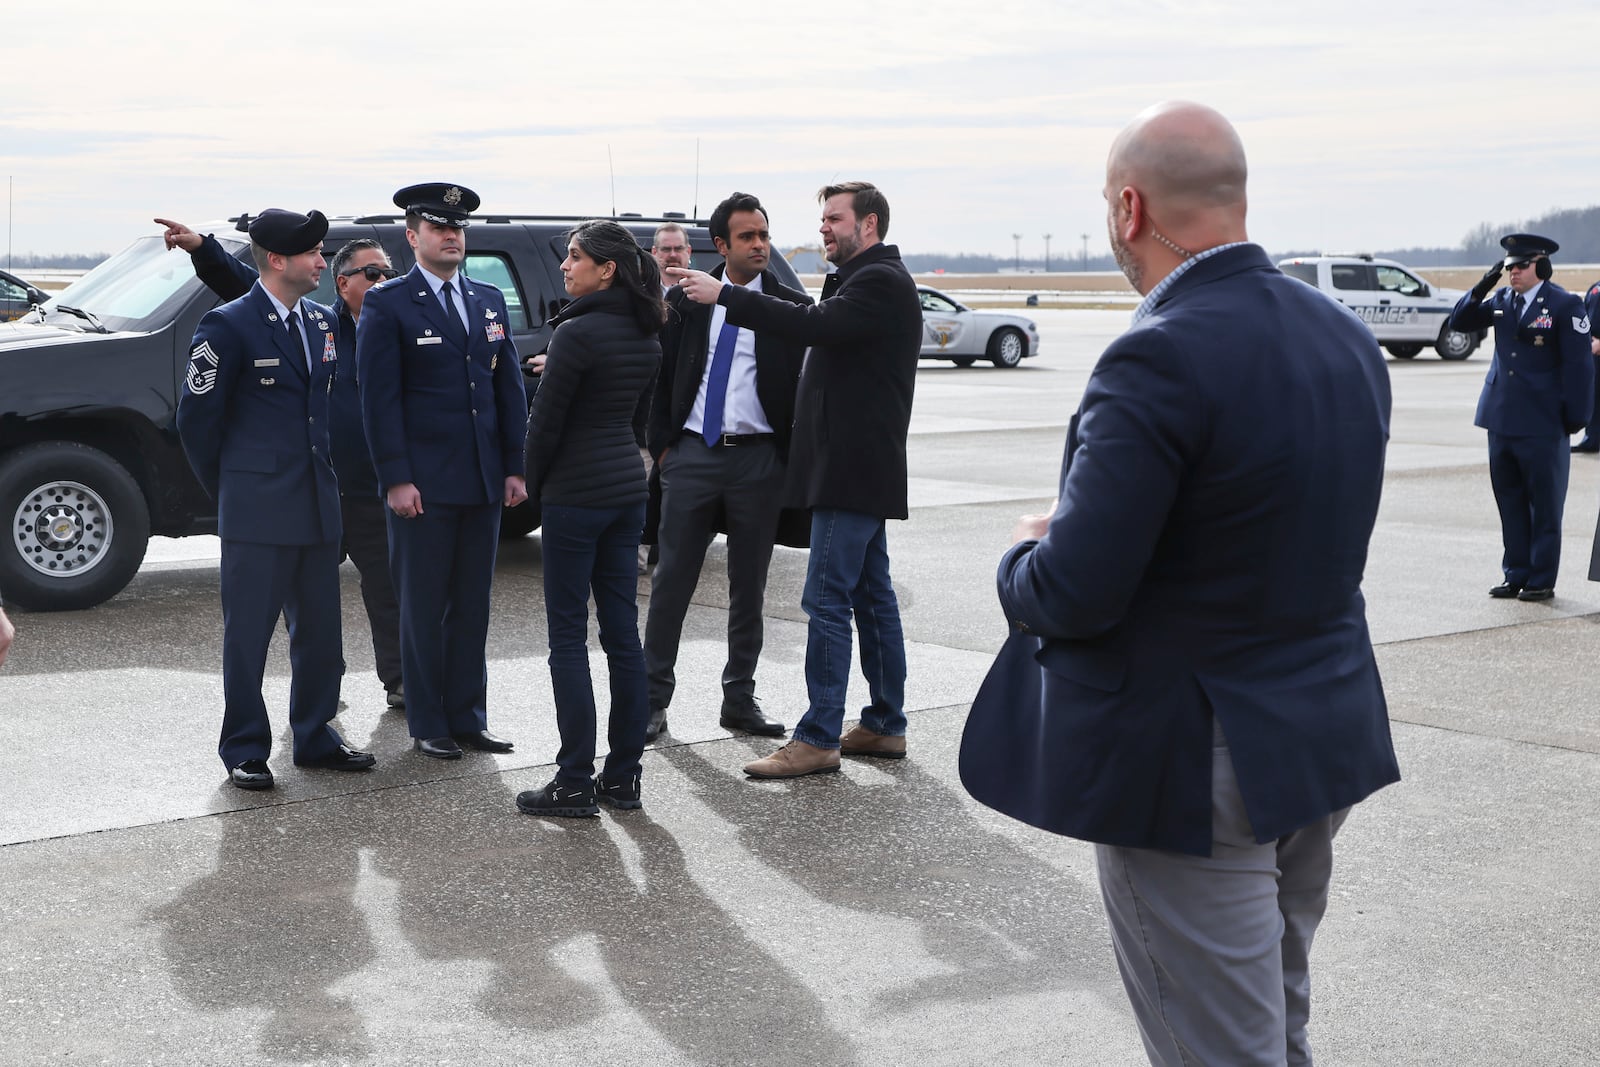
(259, 583)
(366, 542)
(1529, 478)
(742, 488)
(1215, 951)
(594, 550)
(442, 563)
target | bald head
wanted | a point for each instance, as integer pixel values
(1184, 157)
(1176, 177)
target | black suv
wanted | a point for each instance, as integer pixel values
(90, 462)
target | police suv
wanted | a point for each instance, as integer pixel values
(90, 461)
(1404, 312)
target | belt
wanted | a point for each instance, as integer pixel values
(734, 440)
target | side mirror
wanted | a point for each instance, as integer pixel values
(35, 296)
(1424, 290)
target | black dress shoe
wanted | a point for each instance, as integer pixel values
(251, 774)
(483, 741)
(751, 719)
(1586, 445)
(343, 758)
(1542, 593)
(657, 723)
(396, 697)
(439, 747)
(1505, 591)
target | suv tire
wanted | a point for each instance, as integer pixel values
(1454, 344)
(1404, 351)
(76, 524)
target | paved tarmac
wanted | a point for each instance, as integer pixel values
(152, 914)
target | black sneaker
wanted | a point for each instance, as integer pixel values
(556, 799)
(623, 794)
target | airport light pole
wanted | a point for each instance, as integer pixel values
(1047, 253)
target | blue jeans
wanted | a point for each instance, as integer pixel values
(594, 549)
(849, 573)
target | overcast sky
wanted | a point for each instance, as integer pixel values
(1367, 125)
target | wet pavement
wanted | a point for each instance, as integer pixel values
(153, 914)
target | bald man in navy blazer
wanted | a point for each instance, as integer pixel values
(1206, 705)
(446, 418)
(253, 419)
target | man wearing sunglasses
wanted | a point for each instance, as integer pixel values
(357, 267)
(1538, 392)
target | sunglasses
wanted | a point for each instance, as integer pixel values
(1523, 265)
(373, 272)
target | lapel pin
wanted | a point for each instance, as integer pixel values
(272, 316)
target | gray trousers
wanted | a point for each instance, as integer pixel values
(743, 487)
(1215, 951)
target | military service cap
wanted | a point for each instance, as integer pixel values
(287, 233)
(1521, 247)
(438, 202)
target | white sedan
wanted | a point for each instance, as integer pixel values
(953, 331)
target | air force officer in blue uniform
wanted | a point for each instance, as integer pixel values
(1211, 706)
(253, 419)
(1539, 390)
(446, 419)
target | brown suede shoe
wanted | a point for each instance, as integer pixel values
(860, 741)
(794, 760)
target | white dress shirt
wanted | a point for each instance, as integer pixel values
(741, 410)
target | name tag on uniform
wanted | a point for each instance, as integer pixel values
(267, 362)
(430, 340)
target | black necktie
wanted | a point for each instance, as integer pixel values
(1517, 304)
(458, 328)
(298, 339)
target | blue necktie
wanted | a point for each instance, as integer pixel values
(717, 384)
(1517, 305)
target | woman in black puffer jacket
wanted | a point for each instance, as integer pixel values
(583, 466)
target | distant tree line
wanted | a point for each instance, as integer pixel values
(58, 260)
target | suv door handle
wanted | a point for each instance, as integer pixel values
(1385, 300)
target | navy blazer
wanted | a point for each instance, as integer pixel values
(1204, 563)
(451, 422)
(254, 421)
(230, 277)
(1541, 379)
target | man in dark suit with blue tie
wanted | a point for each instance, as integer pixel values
(253, 419)
(720, 421)
(446, 418)
(1205, 702)
(1538, 392)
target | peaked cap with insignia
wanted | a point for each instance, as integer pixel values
(438, 202)
(1521, 247)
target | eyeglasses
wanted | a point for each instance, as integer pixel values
(1524, 265)
(373, 272)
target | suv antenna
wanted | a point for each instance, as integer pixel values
(613, 171)
(696, 212)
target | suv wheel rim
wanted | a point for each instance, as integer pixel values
(62, 529)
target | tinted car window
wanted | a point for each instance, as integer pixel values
(496, 270)
(1353, 276)
(1306, 272)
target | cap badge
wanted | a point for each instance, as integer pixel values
(452, 196)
